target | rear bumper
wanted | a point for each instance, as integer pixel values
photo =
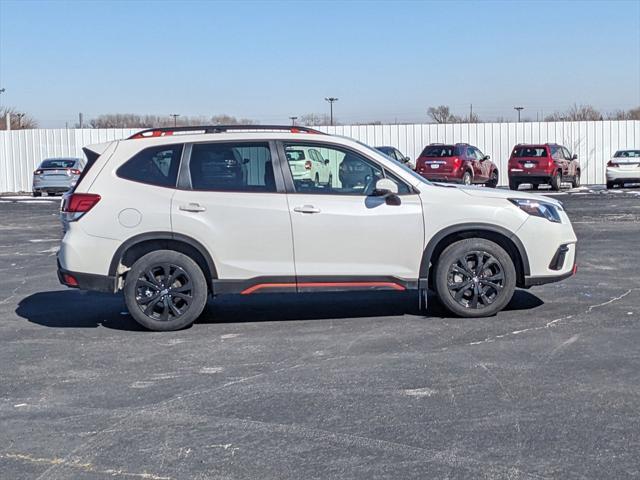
(617, 174)
(533, 177)
(86, 281)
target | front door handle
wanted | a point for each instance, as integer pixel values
(306, 209)
(192, 207)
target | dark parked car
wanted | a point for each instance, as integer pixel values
(547, 163)
(395, 154)
(459, 163)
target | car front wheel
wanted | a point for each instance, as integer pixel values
(475, 278)
(165, 290)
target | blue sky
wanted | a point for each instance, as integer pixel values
(269, 60)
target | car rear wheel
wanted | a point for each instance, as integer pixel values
(575, 183)
(330, 181)
(466, 178)
(556, 182)
(513, 185)
(165, 290)
(493, 181)
(475, 278)
(611, 185)
(37, 194)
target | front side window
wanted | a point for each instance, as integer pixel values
(154, 166)
(232, 167)
(342, 172)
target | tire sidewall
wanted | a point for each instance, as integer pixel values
(465, 176)
(195, 274)
(453, 252)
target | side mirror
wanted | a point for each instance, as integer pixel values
(385, 188)
(326, 162)
(407, 159)
(574, 157)
(486, 157)
(245, 161)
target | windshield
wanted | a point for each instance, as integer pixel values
(627, 154)
(403, 166)
(58, 163)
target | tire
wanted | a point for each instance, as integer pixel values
(316, 180)
(330, 181)
(611, 185)
(466, 178)
(37, 194)
(513, 185)
(187, 295)
(575, 182)
(478, 297)
(493, 181)
(556, 181)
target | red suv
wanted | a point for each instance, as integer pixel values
(539, 164)
(460, 163)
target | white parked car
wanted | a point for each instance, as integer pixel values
(623, 168)
(168, 218)
(308, 165)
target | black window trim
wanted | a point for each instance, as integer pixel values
(184, 175)
(288, 177)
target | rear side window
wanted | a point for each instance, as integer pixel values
(539, 152)
(233, 167)
(154, 166)
(438, 151)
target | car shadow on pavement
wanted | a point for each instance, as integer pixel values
(79, 309)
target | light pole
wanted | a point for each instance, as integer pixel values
(175, 118)
(519, 109)
(2, 90)
(20, 117)
(331, 100)
(293, 121)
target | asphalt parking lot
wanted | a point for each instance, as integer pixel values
(324, 386)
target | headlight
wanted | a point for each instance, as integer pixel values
(538, 209)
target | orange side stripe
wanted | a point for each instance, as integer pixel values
(260, 286)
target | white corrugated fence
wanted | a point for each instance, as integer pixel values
(595, 142)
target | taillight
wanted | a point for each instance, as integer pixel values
(307, 165)
(75, 205)
(75, 172)
(611, 163)
(456, 162)
(38, 172)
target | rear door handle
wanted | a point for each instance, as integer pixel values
(306, 209)
(192, 207)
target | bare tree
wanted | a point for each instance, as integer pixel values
(18, 120)
(442, 114)
(575, 113)
(315, 120)
(132, 120)
(632, 114)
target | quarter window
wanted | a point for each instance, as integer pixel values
(232, 167)
(154, 166)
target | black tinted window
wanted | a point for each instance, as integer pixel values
(232, 167)
(540, 152)
(155, 166)
(438, 151)
(58, 163)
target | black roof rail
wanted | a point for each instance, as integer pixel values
(165, 131)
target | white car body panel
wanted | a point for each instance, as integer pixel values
(354, 235)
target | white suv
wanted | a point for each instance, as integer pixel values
(171, 216)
